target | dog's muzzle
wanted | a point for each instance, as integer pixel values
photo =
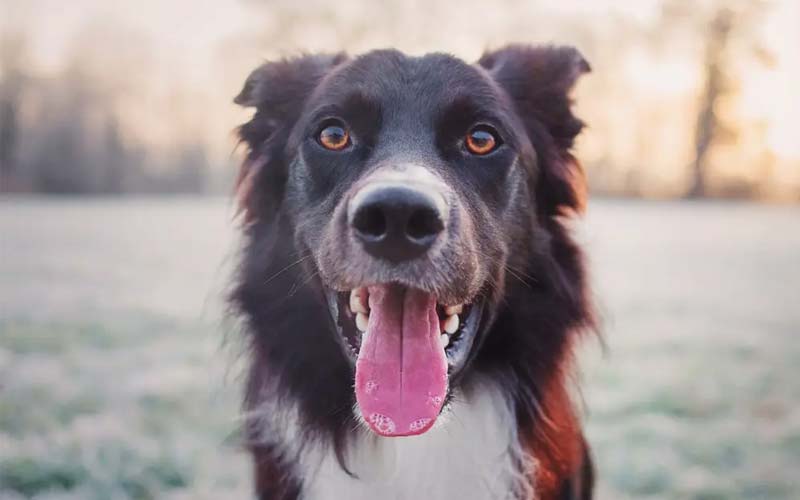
(397, 222)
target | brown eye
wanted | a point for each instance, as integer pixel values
(334, 137)
(482, 140)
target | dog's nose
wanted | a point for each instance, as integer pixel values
(396, 223)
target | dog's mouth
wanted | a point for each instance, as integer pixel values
(404, 345)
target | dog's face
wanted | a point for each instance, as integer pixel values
(412, 184)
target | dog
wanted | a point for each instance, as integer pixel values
(409, 286)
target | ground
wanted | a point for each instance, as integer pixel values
(119, 375)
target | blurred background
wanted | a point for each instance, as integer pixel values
(119, 371)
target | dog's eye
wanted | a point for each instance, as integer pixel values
(482, 140)
(334, 136)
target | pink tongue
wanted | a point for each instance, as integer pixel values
(401, 371)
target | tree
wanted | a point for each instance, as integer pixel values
(729, 34)
(115, 158)
(708, 123)
(12, 76)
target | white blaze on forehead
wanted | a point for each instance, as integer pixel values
(406, 175)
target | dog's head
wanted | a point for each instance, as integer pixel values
(415, 186)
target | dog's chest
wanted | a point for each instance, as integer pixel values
(473, 455)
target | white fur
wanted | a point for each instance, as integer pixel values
(406, 175)
(472, 453)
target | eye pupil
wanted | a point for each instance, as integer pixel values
(334, 137)
(481, 141)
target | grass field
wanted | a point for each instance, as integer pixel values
(116, 381)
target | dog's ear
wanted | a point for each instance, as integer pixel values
(277, 90)
(539, 80)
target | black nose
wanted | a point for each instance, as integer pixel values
(396, 223)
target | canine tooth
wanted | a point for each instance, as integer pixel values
(444, 339)
(451, 310)
(362, 321)
(451, 324)
(357, 302)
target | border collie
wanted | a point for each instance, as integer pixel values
(409, 285)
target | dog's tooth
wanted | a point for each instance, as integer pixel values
(357, 301)
(362, 320)
(444, 339)
(451, 310)
(451, 324)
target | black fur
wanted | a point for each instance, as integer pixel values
(411, 109)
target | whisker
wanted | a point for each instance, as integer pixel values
(518, 277)
(514, 272)
(278, 273)
(296, 287)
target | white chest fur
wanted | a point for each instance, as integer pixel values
(472, 454)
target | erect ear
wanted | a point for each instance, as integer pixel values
(277, 90)
(539, 81)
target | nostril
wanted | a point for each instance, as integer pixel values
(395, 223)
(423, 224)
(370, 221)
